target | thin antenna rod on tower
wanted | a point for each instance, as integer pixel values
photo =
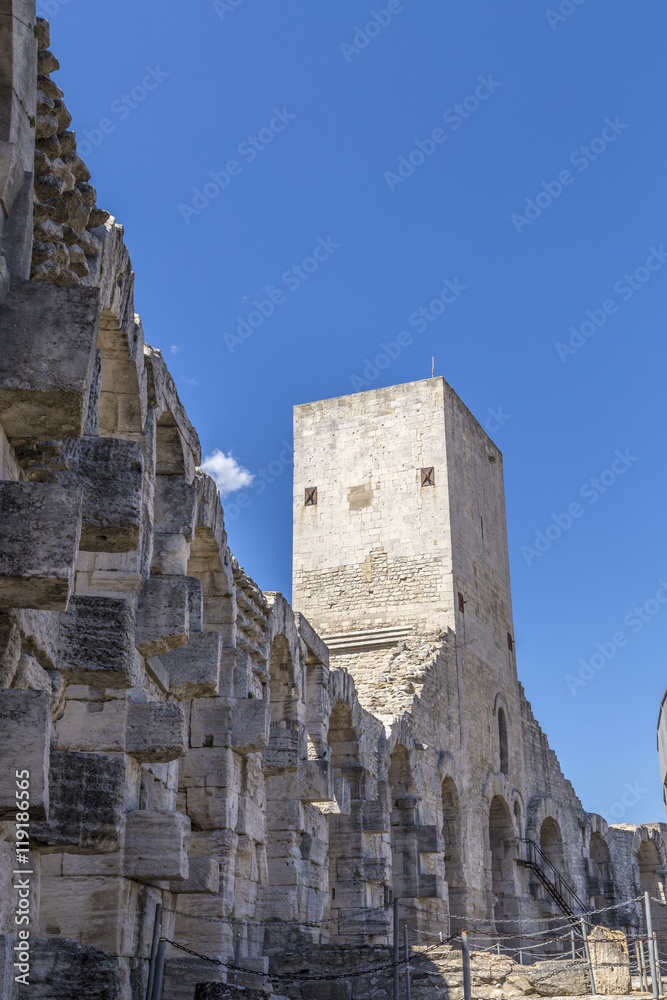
(432, 367)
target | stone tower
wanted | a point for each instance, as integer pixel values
(405, 535)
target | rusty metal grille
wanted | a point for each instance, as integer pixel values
(428, 476)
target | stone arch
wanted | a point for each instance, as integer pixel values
(601, 887)
(282, 686)
(503, 749)
(118, 375)
(651, 874)
(287, 845)
(170, 449)
(551, 843)
(538, 810)
(205, 564)
(501, 715)
(452, 838)
(503, 846)
(404, 808)
(349, 888)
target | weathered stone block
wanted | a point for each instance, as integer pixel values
(314, 849)
(97, 911)
(418, 886)
(251, 719)
(365, 869)
(284, 814)
(287, 871)
(156, 731)
(175, 506)
(210, 723)
(610, 960)
(427, 840)
(93, 726)
(156, 846)
(251, 821)
(315, 781)
(341, 805)
(182, 977)
(39, 538)
(212, 808)
(86, 792)
(61, 969)
(337, 989)
(203, 877)
(170, 555)
(48, 334)
(224, 991)
(97, 643)
(365, 921)
(110, 473)
(194, 669)
(214, 766)
(162, 615)
(376, 817)
(284, 750)
(25, 736)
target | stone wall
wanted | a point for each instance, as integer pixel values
(191, 740)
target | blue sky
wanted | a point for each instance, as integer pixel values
(233, 140)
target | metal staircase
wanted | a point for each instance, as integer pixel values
(552, 880)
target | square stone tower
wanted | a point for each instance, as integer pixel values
(399, 526)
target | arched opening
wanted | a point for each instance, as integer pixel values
(502, 842)
(551, 844)
(552, 861)
(284, 695)
(453, 845)
(350, 889)
(119, 411)
(169, 448)
(287, 844)
(601, 885)
(502, 742)
(652, 880)
(204, 563)
(404, 845)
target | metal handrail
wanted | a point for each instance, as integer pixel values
(537, 857)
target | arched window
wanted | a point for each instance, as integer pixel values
(501, 837)
(453, 845)
(502, 742)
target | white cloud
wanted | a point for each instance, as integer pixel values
(190, 381)
(226, 471)
(175, 348)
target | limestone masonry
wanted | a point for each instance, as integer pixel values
(175, 735)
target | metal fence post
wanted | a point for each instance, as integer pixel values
(154, 943)
(649, 934)
(159, 969)
(643, 973)
(658, 970)
(465, 951)
(639, 966)
(406, 954)
(396, 949)
(574, 955)
(588, 955)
